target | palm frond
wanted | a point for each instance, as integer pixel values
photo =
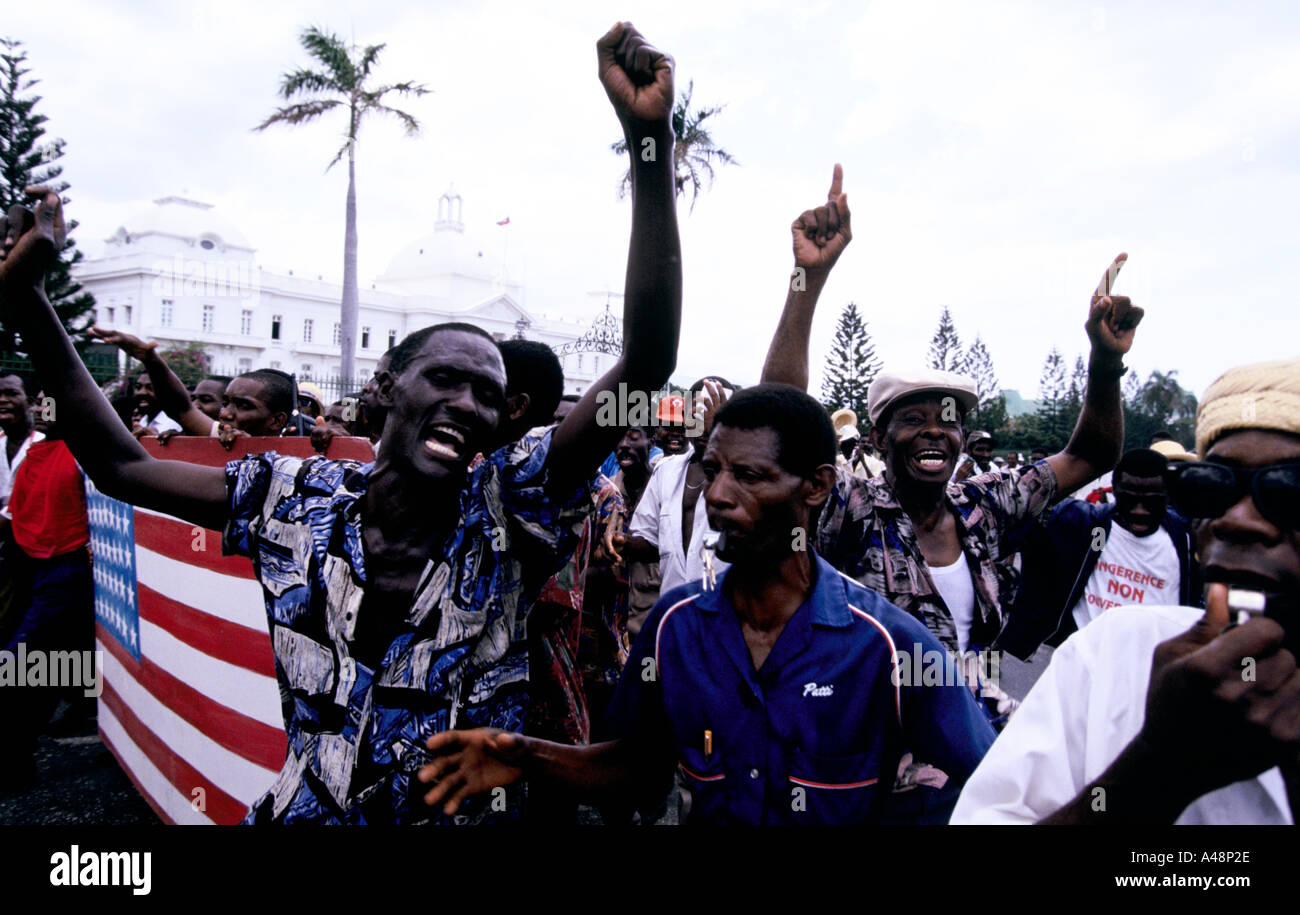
(348, 143)
(299, 113)
(405, 88)
(368, 58)
(307, 81)
(695, 154)
(330, 50)
(408, 121)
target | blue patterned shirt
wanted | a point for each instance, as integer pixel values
(455, 658)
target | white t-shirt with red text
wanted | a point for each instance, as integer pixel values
(1130, 570)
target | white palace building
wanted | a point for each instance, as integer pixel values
(179, 271)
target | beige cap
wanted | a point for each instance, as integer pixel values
(1173, 451)
(890, 387)
(307, 389)
(1265, 395)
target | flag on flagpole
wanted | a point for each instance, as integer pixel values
(504, 222)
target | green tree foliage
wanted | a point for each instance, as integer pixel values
(1159, 403)
(851, 366)
(1051, 424)
(945, 346)
(695, 154)
(342, 83)
(190, 363)
(26, 159)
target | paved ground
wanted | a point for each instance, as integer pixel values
(78, 782)
(1018, 676)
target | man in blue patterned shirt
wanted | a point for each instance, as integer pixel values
(396, 591)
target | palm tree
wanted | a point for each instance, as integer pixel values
(341, 83)
(694, 153)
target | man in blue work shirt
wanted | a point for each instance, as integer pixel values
(778, 689)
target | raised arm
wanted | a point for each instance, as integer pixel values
(106, 450)
(820, 237)
(639, 82)
(1098, 437)
(168, 388)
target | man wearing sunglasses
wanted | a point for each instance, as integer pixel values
(1092, 556)
(1176, 714)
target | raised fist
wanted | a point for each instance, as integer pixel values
(638, 78)
(32, 239)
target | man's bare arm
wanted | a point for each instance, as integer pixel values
(820, 236)
(639, 82)
(1098, 437)
(172, 396)
(106, 450)
(472, 762)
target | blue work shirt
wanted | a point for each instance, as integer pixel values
(815, 736)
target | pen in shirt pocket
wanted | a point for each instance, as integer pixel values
(708, 744)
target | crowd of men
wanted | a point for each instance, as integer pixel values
(739, 604)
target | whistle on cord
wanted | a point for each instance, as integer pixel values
(1246, 604)
(713, 541)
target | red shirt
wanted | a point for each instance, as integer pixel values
(48, 504)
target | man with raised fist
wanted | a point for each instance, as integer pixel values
(394, 590)
(1175, 714)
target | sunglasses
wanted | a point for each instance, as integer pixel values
(1209, 490)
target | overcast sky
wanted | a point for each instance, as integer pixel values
(996, 155)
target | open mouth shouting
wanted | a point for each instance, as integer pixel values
(445, 442)
(930, 460)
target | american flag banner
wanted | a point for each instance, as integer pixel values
(190, 706)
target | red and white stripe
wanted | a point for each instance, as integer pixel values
(196, 722)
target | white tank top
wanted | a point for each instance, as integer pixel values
(955, 586)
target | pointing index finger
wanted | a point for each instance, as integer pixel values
(1108, 278)
(837, 182)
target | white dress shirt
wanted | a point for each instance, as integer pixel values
(658, 520)
(1085, 709)
(163, 423)
(7, 470)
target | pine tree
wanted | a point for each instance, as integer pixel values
(990, 411)
(945, 346)
(1053, 395)
(1074, 394)
(25, 160)
(851, 365)
(979, 365)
